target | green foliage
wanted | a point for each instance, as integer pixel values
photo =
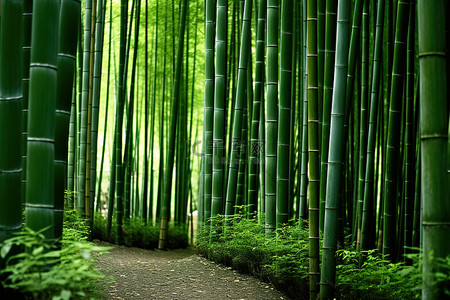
(75, 228)
(370, 273)
(283, 260)
(441, 274)
(44, 271)
(137, 233)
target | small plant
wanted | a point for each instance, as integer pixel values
(75, 228)
(44, 271)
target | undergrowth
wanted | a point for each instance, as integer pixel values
(136, 233)
(37, 269)
(283, 261)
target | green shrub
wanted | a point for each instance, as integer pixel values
(74, 227)
(370, 273)
(283, 260)
(44, 271)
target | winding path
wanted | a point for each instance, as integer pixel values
(176, 275)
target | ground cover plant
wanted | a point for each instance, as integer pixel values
(59, 271)
(283, 260)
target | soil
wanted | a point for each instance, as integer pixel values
(175, 275)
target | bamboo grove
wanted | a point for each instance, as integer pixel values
(332, 115)
(94, 116)
(318, 113)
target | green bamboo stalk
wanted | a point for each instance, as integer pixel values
(209, 105)
(330, 44)
(128, 155)
(304, 146)
(336, 154)
(100, 24)
(40, 201)
(434, 143)
(363, 119)
(161, 126)
(313, 150)
(241, 102)
(299, 90)
(255, 143)
(165, 205)
(409, 144)
(10, 118)
(284, 114)
(261, 145)
(153, 111)
(88, 201)
(271, 115)
(371, 138)
(220, 92)
(352, 57)
(393, 136)
(71, 160)
(120, 104)
(146, 100)
(240, 187)
(68, 30)
(105, 127)
(352, 136)
(84, 110)
(26, 50)
(321, 27)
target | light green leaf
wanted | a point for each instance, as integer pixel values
(5, 250)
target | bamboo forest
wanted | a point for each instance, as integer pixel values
(224, 149)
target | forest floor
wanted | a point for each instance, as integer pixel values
(176, 274)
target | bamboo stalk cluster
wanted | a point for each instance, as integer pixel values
(319, 112)
(334, 112)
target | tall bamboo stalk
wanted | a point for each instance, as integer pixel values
(284, 114)
(271, 115)
(26, 50)
(10, 118)
(220, 91)
(313, 150)
(210, 29)
(258, 109)
(336, 154)
(67, 47)
(409, 144)
(363, 119)
(84, 109)
(241, 103)
(434, 143)
(98, 59)
(40, 201)
(371, 138)
(330, 45)
(393, 136)
(120, 105)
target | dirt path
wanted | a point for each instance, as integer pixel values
(176, 275)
